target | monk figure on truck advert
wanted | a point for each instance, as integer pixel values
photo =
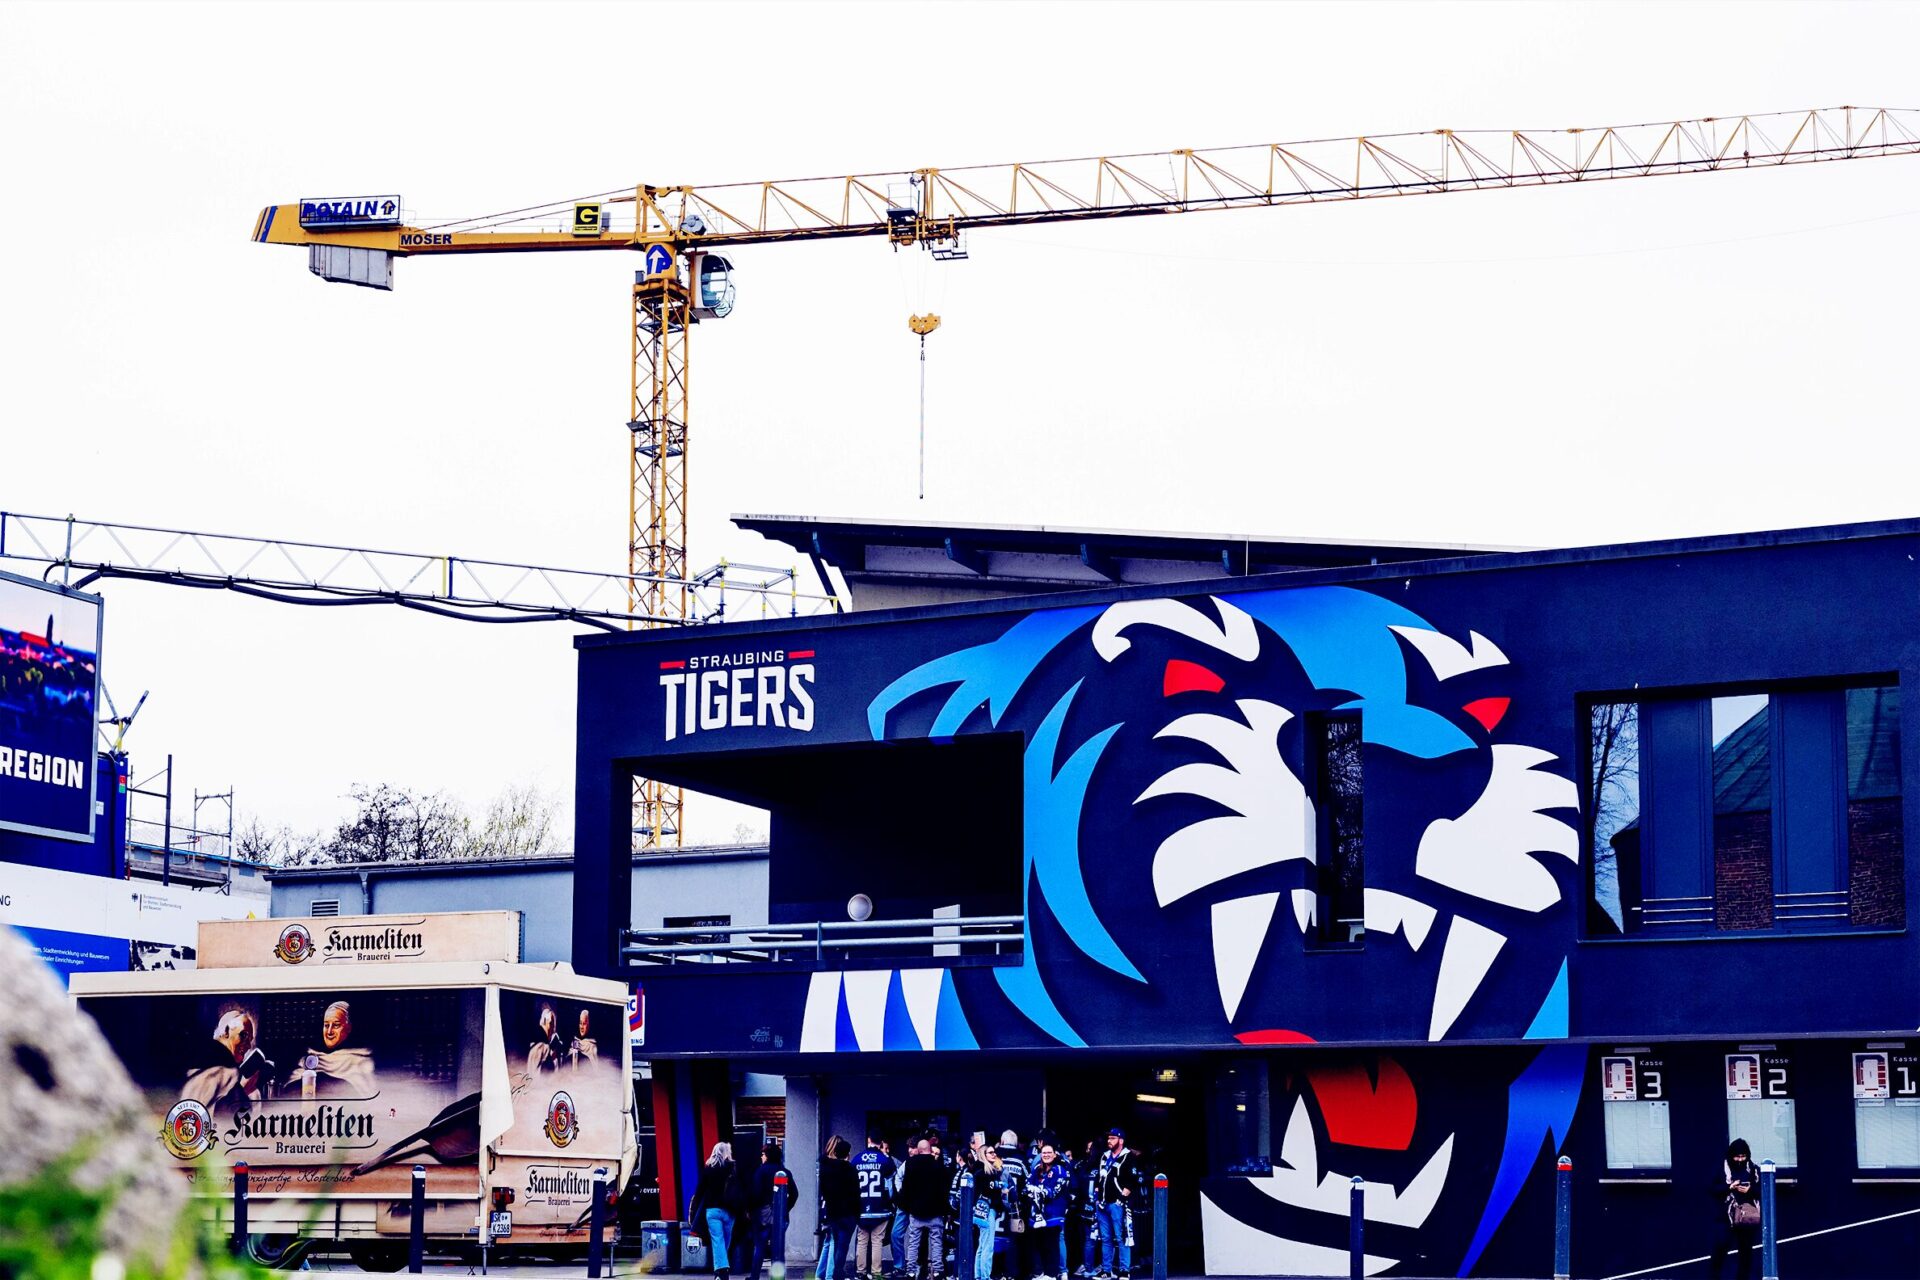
(338, 1069)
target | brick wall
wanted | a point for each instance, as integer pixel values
(771, 1112)
(1875, 865)
(1743, 871)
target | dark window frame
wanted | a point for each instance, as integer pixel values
(1323, 935)
(1593, 915)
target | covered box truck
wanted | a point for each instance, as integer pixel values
(332, 1055)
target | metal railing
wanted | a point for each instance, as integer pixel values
(820, 943)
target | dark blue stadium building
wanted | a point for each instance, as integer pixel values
(1418, 864)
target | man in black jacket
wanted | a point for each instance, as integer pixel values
(840, 1196)
(1114, 1183)
(923, 1194)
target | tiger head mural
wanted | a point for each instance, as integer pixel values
(1170, 835)
(1173, 889)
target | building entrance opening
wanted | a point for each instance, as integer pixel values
(1158, 1106)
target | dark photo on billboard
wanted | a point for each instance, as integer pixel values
(49, 685)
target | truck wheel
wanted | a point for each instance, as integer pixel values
(371, 1256)
(278, 1252)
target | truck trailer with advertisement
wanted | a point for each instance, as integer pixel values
(334, 1055)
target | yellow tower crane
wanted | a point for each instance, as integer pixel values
(684, 279)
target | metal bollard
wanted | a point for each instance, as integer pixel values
(1563, 1219)
(969, 1242)
(417, 1228)
(240, 1206)
(596, 1223)
(1357, 1230)
(1159, 1226)
(777, 1247)
(1769, 1235)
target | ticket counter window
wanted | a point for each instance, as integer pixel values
(1633, 1104)
(1760, 1106)
(1886, 1109)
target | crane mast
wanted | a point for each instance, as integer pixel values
(657, 506)
(683, 280)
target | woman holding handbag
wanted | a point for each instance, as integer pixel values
(715, 1199)
(1740, 1211)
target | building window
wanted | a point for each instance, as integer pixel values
(1886, 1107)
(1759, 1082)
(1237, 1134)
(1776, 810)
(1334, 747)
(1633, 1106)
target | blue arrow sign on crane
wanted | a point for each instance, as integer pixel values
(659, 260)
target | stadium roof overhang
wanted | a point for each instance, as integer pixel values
(891, 564)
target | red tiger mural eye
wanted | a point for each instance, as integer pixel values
(1185, 677)
(1488, 711)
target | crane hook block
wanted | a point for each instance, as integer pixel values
(923, 325)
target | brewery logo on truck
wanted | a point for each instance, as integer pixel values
(563, 1122)
(188, 1129)
(295, 944)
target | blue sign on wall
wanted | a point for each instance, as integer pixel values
(49, 686)
(67, 953)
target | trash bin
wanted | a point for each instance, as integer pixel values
(657, 1247)
(693, 1252)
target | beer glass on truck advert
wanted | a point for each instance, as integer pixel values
(49, 686)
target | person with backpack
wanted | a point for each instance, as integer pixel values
(764, 1244)
(873, 1169)
(1738, 1191)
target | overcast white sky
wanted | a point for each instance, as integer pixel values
(1607, 363)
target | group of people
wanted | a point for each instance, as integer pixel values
(1033, 1210)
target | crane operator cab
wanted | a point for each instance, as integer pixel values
(712, 286)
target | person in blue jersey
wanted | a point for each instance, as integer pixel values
(1048, 1188)
(874, 1170)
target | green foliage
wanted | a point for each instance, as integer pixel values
(50, 1229)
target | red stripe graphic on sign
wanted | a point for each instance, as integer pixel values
(673, 666)
(800, 653)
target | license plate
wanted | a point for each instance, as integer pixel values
(502, 1224)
